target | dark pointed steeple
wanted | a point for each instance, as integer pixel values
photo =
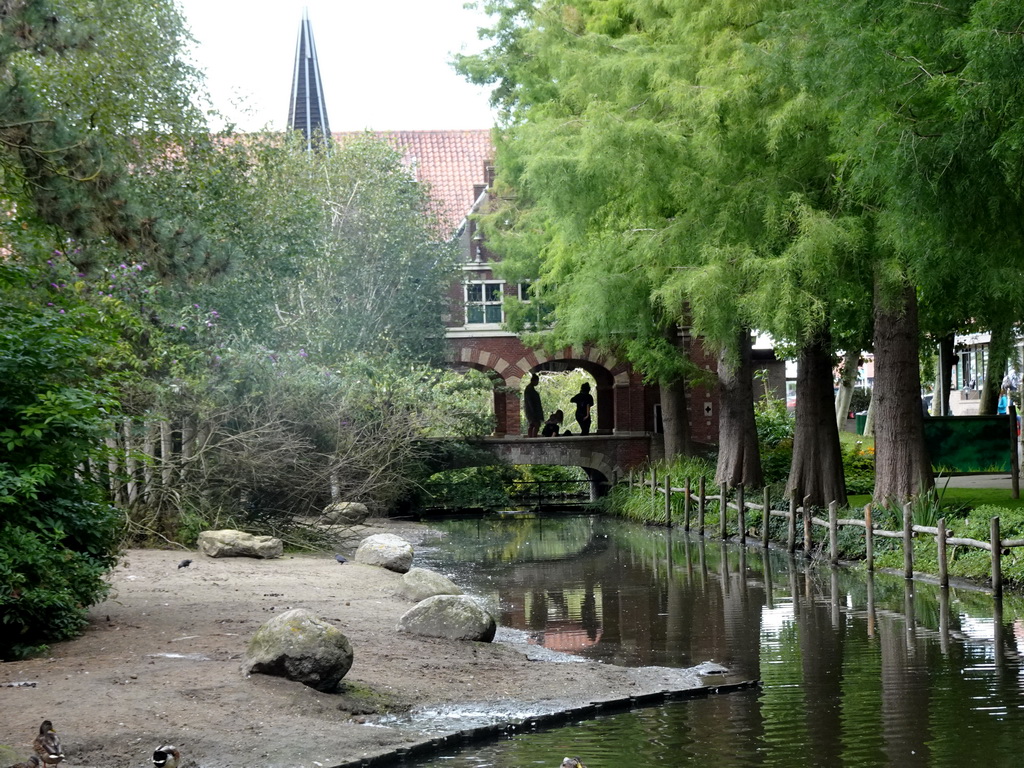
(307, 112)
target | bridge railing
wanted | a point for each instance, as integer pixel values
(695, 504)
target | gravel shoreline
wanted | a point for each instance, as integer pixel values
(161, 663)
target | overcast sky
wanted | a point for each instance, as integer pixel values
(384, 63)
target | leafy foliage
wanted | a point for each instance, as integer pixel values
(58, 534)
(859, 469)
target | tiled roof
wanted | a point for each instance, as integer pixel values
(449, 162)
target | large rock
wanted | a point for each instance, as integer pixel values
(387, 551)
(345, 513)
(301, 647)
(453, 617)
(229, 543)
(420, 583)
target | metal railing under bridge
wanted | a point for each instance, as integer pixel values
(521, 495)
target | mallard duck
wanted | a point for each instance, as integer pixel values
(47, 744)
(166, 756)
(32, 762)
(572, 762)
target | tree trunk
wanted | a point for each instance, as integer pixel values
(675, 420)
(947, 364)
(999, 347)
(847, 380)
(131, 469)
(675, 417)
(114, 471)
(739, 455)
(188, 447)
(149, 438)
(817, 468)
(902, 468)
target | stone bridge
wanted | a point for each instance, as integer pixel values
(604, 457)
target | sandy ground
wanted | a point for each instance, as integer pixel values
(161, 662)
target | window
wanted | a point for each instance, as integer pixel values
(483, 303)
(525, 292)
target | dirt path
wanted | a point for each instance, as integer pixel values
(160, 662)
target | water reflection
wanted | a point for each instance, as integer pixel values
(857, 671)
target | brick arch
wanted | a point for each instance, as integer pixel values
(506, 405)
(623, 403)
(482, 360)
(587, 358)
(615, 383)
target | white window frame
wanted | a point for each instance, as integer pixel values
(484, 303)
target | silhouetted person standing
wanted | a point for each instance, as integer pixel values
(584, 403)
(532, 407)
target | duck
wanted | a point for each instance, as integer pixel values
(166, 756)
(47, 744)
(32, 762)
(572, 762)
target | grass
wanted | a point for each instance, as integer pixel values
(850, 439)
(961, 497)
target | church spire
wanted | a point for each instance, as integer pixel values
(306, 111)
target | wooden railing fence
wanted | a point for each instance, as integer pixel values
(804, 513)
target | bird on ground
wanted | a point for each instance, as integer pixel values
(166, 756)
(572, 762)
(47, 744)
(32, 762)
(184, 563)
(341, 558)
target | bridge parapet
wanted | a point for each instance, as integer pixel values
(607, 454)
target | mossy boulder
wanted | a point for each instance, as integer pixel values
(421, 583)
(453, 617)
(387, 551)
(300, 646)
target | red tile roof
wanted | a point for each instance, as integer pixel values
(449, 162)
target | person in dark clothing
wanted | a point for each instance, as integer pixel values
(553, 425)
(532, 407)
(584, 403)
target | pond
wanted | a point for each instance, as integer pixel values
(855, 670)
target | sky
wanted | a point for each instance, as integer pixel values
(384, 64)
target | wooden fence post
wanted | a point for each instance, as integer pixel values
(940, 545)
(631, 479)
(764, 520)
(833, 532)
(791, 526)
(869, 539)
(654, 488)
(908, 541)
(686, 505)
(741, 513)
(723, 510)
(702, 502)
(668, 501)
(997, 566)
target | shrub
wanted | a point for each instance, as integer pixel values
(859, 469)
(775, 429)
(58, 535)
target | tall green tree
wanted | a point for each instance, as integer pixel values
(678, 169)
(927, 106)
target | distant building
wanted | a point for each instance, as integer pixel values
(307, 111)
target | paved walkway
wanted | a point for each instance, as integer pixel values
(975, 481)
